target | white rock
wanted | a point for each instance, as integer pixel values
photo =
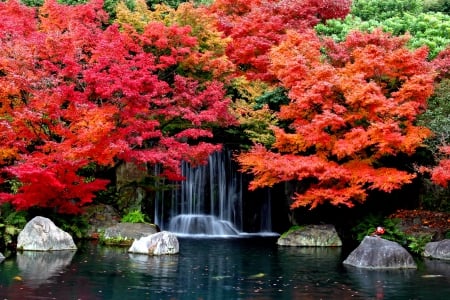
(41, 234)
(160, 243)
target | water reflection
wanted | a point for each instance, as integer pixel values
(216, 269)
(165, 266)
(436, 268)
(37, 267)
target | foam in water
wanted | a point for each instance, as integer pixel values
(202, 225)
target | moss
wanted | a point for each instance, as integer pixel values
(292, 229)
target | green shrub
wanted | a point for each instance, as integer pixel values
(11, 223)
(135, 216)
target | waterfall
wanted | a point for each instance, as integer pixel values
(209, 201)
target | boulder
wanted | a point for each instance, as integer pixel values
(377, 253)
(439, 250)
(41, 234)
(100, 217)
(160, 243)
(1, 257)
(311, 235)
(126, 233)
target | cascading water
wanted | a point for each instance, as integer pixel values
(208, 202)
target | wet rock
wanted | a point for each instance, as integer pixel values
(439, 250)
(311, 235)
(1, 257)
(377, 253)
(100, 217)
(160, 243)
(130, 195)
(126, 233)
(41, 234)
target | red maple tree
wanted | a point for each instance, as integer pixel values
(256, 26)
(74, 94)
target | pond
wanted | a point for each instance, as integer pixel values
(247, 267)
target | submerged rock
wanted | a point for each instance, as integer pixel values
(439, 250)
(41, 234)
(378, 253)
(311, 235)
(160, 243)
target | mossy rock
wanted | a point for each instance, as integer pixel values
(311, 236)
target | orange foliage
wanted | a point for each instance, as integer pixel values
(350, 107)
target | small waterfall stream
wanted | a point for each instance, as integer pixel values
(209, 201)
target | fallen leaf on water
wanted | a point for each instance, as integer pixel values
(18, 278)
(259, 275)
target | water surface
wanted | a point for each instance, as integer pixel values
(233, 268)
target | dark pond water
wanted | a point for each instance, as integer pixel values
(238, 268)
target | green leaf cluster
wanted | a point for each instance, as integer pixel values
(11, 223)
(437, 6)
(384, 9)
(431, 29)
(436, 117)
(135, 216)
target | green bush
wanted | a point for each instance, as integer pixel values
(384, 9)
(369, 224)
(437, 6)
(135, 216)
(11, 223)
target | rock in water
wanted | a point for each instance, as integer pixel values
(41, 234)
(439, 250)
(377, 253)
(160, 243)
(312, 236)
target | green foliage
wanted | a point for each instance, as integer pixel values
(431, 29)
(75, 225)
(135, 216)
(384, 9)
(434, 197)
(33, 2)
(370, 223)
(437, 6)
(436, 117)
(115, 241)
(274, 99)
(447, 235)
(41, 2)
(11, 223)
(108, 196)
(416, 244)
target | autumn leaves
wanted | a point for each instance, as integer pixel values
(81, 93)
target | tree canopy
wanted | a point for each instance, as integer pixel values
(76, 94)
(349, 111)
